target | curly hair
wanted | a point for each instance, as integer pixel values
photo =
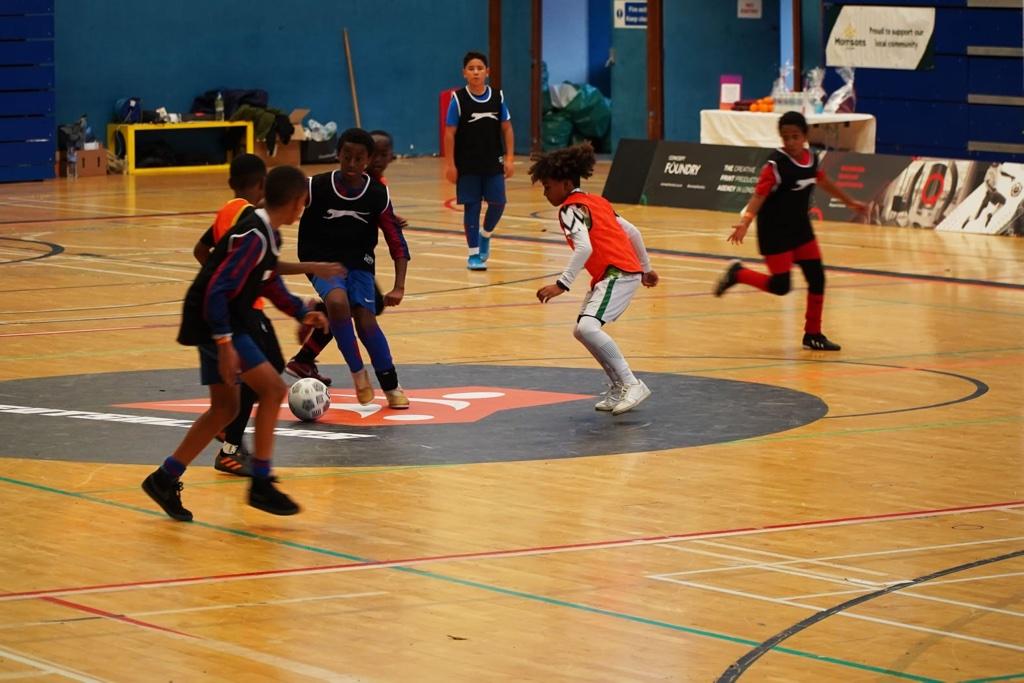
(571, 163)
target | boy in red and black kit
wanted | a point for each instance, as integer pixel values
(784, 234)
(217, 319)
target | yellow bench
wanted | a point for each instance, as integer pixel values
(128, 131)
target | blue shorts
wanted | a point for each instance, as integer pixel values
(359, 284)
(249, 355)
(473, 188)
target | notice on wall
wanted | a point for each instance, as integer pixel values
(630, 14)
(880, 37)
(749, 9)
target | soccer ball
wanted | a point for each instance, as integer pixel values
(309, 399)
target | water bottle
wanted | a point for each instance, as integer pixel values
(83, 123)
(218, 107)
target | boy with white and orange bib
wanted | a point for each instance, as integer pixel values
(612, 250)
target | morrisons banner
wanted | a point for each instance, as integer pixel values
(880, 37)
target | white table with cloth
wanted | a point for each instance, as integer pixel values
(850, 132)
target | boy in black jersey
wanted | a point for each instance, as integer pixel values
(784, 234)
(478, 149)
(248, 177)
(346, 210)
(303, 364)
(217, 318)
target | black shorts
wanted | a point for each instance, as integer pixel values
(260, 328)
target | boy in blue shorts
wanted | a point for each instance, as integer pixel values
(248, 177)
(303, 364)
(478, 150)
(217, 318)
(346, 209)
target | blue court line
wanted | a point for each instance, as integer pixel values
(483, 586)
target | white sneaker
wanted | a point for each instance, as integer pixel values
(632, 396)
(610, 398)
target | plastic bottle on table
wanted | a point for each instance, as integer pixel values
(218, 107)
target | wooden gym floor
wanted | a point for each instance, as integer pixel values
(669, 564)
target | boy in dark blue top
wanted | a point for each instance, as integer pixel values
(217, 318)
(346, 210)
(478, 149)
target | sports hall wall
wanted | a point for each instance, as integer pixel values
(405, 52)
(971, 104)
(702, 40)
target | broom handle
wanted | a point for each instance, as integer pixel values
(351, 77)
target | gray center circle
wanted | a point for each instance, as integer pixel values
(76, 418)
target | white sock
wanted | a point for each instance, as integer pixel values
(604, 349)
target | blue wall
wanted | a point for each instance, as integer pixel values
(629, 84)
(515, 69)
(702, 41)
(970, 105)
(565, 24)
(405, 52)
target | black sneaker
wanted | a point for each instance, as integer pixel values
(263, 495)
(728, 278)
(236, 463)
(819, 342)
(166, 492)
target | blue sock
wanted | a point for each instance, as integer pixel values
(260, 468)
(471, 224)
(491, 218)
(173, 468)
(346, 338)
(377, 346)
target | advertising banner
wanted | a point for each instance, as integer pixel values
(880, 37)
(954, 195)
(995, 205)
(695, 176)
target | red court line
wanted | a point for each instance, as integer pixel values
(495, 554)
(110, 615)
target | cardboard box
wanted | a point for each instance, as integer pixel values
(317, 152)
(90, 162)
(296, 118)
(284, 155)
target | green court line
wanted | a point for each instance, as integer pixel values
(1007, 677)
(483, 586)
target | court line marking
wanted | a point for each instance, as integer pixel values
(358, 563)
(217, 646)
(47, 667)
(741, 665)
(553, 601)
(211, 608)
(869, 585)
(849, 615)
(987, 577)
(796, 560)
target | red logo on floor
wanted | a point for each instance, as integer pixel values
(449, 405)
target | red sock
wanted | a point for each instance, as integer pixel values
(753, 278)
(812, 324)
